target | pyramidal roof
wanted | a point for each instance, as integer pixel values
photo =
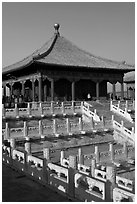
(60, 51)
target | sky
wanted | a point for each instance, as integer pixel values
(105, 29)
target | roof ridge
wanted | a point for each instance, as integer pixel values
(48, 49)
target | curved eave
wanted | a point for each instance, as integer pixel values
(86, 67)
(8, 69)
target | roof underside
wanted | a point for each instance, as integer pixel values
(129, 77)
(60, 51)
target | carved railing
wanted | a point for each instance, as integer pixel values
(67, 107)
(86, 110)
(86, 188)
(121, 195)
(129, 134)
(123, 113)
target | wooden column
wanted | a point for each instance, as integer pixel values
(114, 91)
(33, 90)
(4, 90)
(23, 89)
(52, 90)
(97, 90)
(73, 90)
(45, 92)
(122, 91)
(11, 89)
(40, 88)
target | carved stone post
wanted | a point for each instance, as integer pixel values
(80, 125)
(25, 129)
(63, 109)
(55, 128)
(68, 126)
(71, 175)
(46, 154)
(40, 128)
(28, 147)
(111, 149)
(3, 111)
(16, 111)
(92, 123)
(12, 143)
(7, 132)
(112, 118)
(73, 107)
(93, 166)
(125, 150)
(41, 109)
(97, 154)
(103, 121)
(62, 156)
(29, 110)
(52, 108)
(111, 182)
(80, 156)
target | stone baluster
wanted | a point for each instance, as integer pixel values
(16, 111)
(3, 111)
(96, 154)
(29, 110)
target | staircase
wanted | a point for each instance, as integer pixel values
(103, 109)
